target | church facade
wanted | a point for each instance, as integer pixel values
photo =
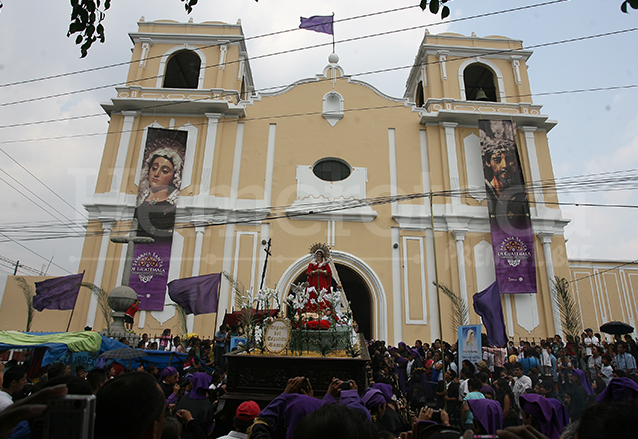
(329, 159)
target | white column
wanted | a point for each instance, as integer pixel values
(425, 165)
(459, 238)
(442, 55)
(433, 317)
(546, 239)
(392, 163)
(534, 166)
(452, 161)
(224, 290)
(516, 69)
(209, 153)
(107, 226)
(270, 164)
(234, 182)
(122, 150)
(146, 46)
(197, 259)
(396, 287)
(223, 50)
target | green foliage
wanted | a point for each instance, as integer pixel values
(568, 308)
(86, 21)
(632, 3)
(103, 303)
(188, 5)
(28, 297)
(435, 7)
(181, 319)
(460, 309)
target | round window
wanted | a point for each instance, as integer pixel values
(331, 169)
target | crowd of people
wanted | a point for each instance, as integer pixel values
(550, 389)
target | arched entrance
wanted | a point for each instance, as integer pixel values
(358, 295)
(362, 286)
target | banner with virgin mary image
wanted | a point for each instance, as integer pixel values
(160, 180)
(510, 223)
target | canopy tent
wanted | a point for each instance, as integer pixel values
(57, 344)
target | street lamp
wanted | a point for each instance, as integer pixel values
(130, 240)
(121, 297)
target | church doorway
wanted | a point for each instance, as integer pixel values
(358, 294)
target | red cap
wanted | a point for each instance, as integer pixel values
(247, 411)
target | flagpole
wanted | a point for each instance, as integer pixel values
(71, 317)
(333, 32)
(438, 295)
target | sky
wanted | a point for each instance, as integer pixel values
(48, 170)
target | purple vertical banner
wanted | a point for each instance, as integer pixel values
(159, 186)
(510, 223)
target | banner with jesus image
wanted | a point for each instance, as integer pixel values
(510, 222)
(159, 186)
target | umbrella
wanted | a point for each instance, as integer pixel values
(617, 328)
(124, 354)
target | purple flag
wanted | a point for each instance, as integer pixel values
(318, 23)
(57, 293)
(487, 304)
(197, 295)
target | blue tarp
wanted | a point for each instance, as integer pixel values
(61, 352)
(161, 359)
(57, 350)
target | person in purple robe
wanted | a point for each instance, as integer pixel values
(197, 404)
(488, 415)
(297, 403)
(619, 389)
(168, 379)
(542, 414)
(392, 421)
(400, 365)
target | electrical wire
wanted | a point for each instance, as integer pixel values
(155, 106)
(35, 253)
(38, 205)
(363, 74)
(56, 95)
(607, 181)
(82, 214)
(123, 63)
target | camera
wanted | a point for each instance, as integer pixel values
(436, 416)
(71, 417)
(345, 385)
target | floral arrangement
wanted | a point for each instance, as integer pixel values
(305, 337)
